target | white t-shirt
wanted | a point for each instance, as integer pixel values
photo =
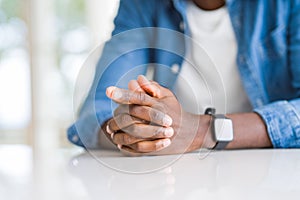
(201, 84)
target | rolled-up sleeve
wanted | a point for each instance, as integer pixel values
(282, 119)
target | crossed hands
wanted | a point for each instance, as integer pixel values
(150, 121)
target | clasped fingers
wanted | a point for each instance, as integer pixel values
(145, 146)
(147, 113)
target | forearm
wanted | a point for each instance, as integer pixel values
(249, 132)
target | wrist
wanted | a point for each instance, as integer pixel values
(205, 132)
(203, 137)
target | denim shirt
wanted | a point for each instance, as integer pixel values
(268, 59)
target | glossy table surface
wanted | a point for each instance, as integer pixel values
(76, 174)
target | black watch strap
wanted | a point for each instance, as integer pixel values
(220, 145)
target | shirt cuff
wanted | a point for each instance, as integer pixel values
(283, 123)
(85, 131)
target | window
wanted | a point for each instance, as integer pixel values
(43, 44)
(15, 106)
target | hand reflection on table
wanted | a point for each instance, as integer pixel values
(234, 173)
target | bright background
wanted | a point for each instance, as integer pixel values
(43, 44)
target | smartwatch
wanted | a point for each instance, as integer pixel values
(222, 129)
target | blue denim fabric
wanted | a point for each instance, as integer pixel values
(268, 36)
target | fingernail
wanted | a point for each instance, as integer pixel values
(109, 91)
(112, 136)
(119, 146)
(169, 132)
(117, 94)
(166, 142)
(167, 121)
(108, 129)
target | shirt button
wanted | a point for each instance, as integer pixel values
(175, 68)
(181, 26)
(75, 138)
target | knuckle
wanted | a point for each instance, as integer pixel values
(126, 139)
(148, 112)
(156, 116)
(122, 120)
(141, 97)
(126, 96)
(158, 145)
(121, 138)
(125, 118)
(136, 110)
(158, 132)
(141, 147)
(134, 129)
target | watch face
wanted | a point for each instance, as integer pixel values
(223, 130)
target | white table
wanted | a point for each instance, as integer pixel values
(75, 174)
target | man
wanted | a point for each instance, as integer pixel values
(261, 37)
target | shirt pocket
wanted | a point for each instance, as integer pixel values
(274, 44)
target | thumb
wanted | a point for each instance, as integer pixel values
(134, 86)
(150, 88)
